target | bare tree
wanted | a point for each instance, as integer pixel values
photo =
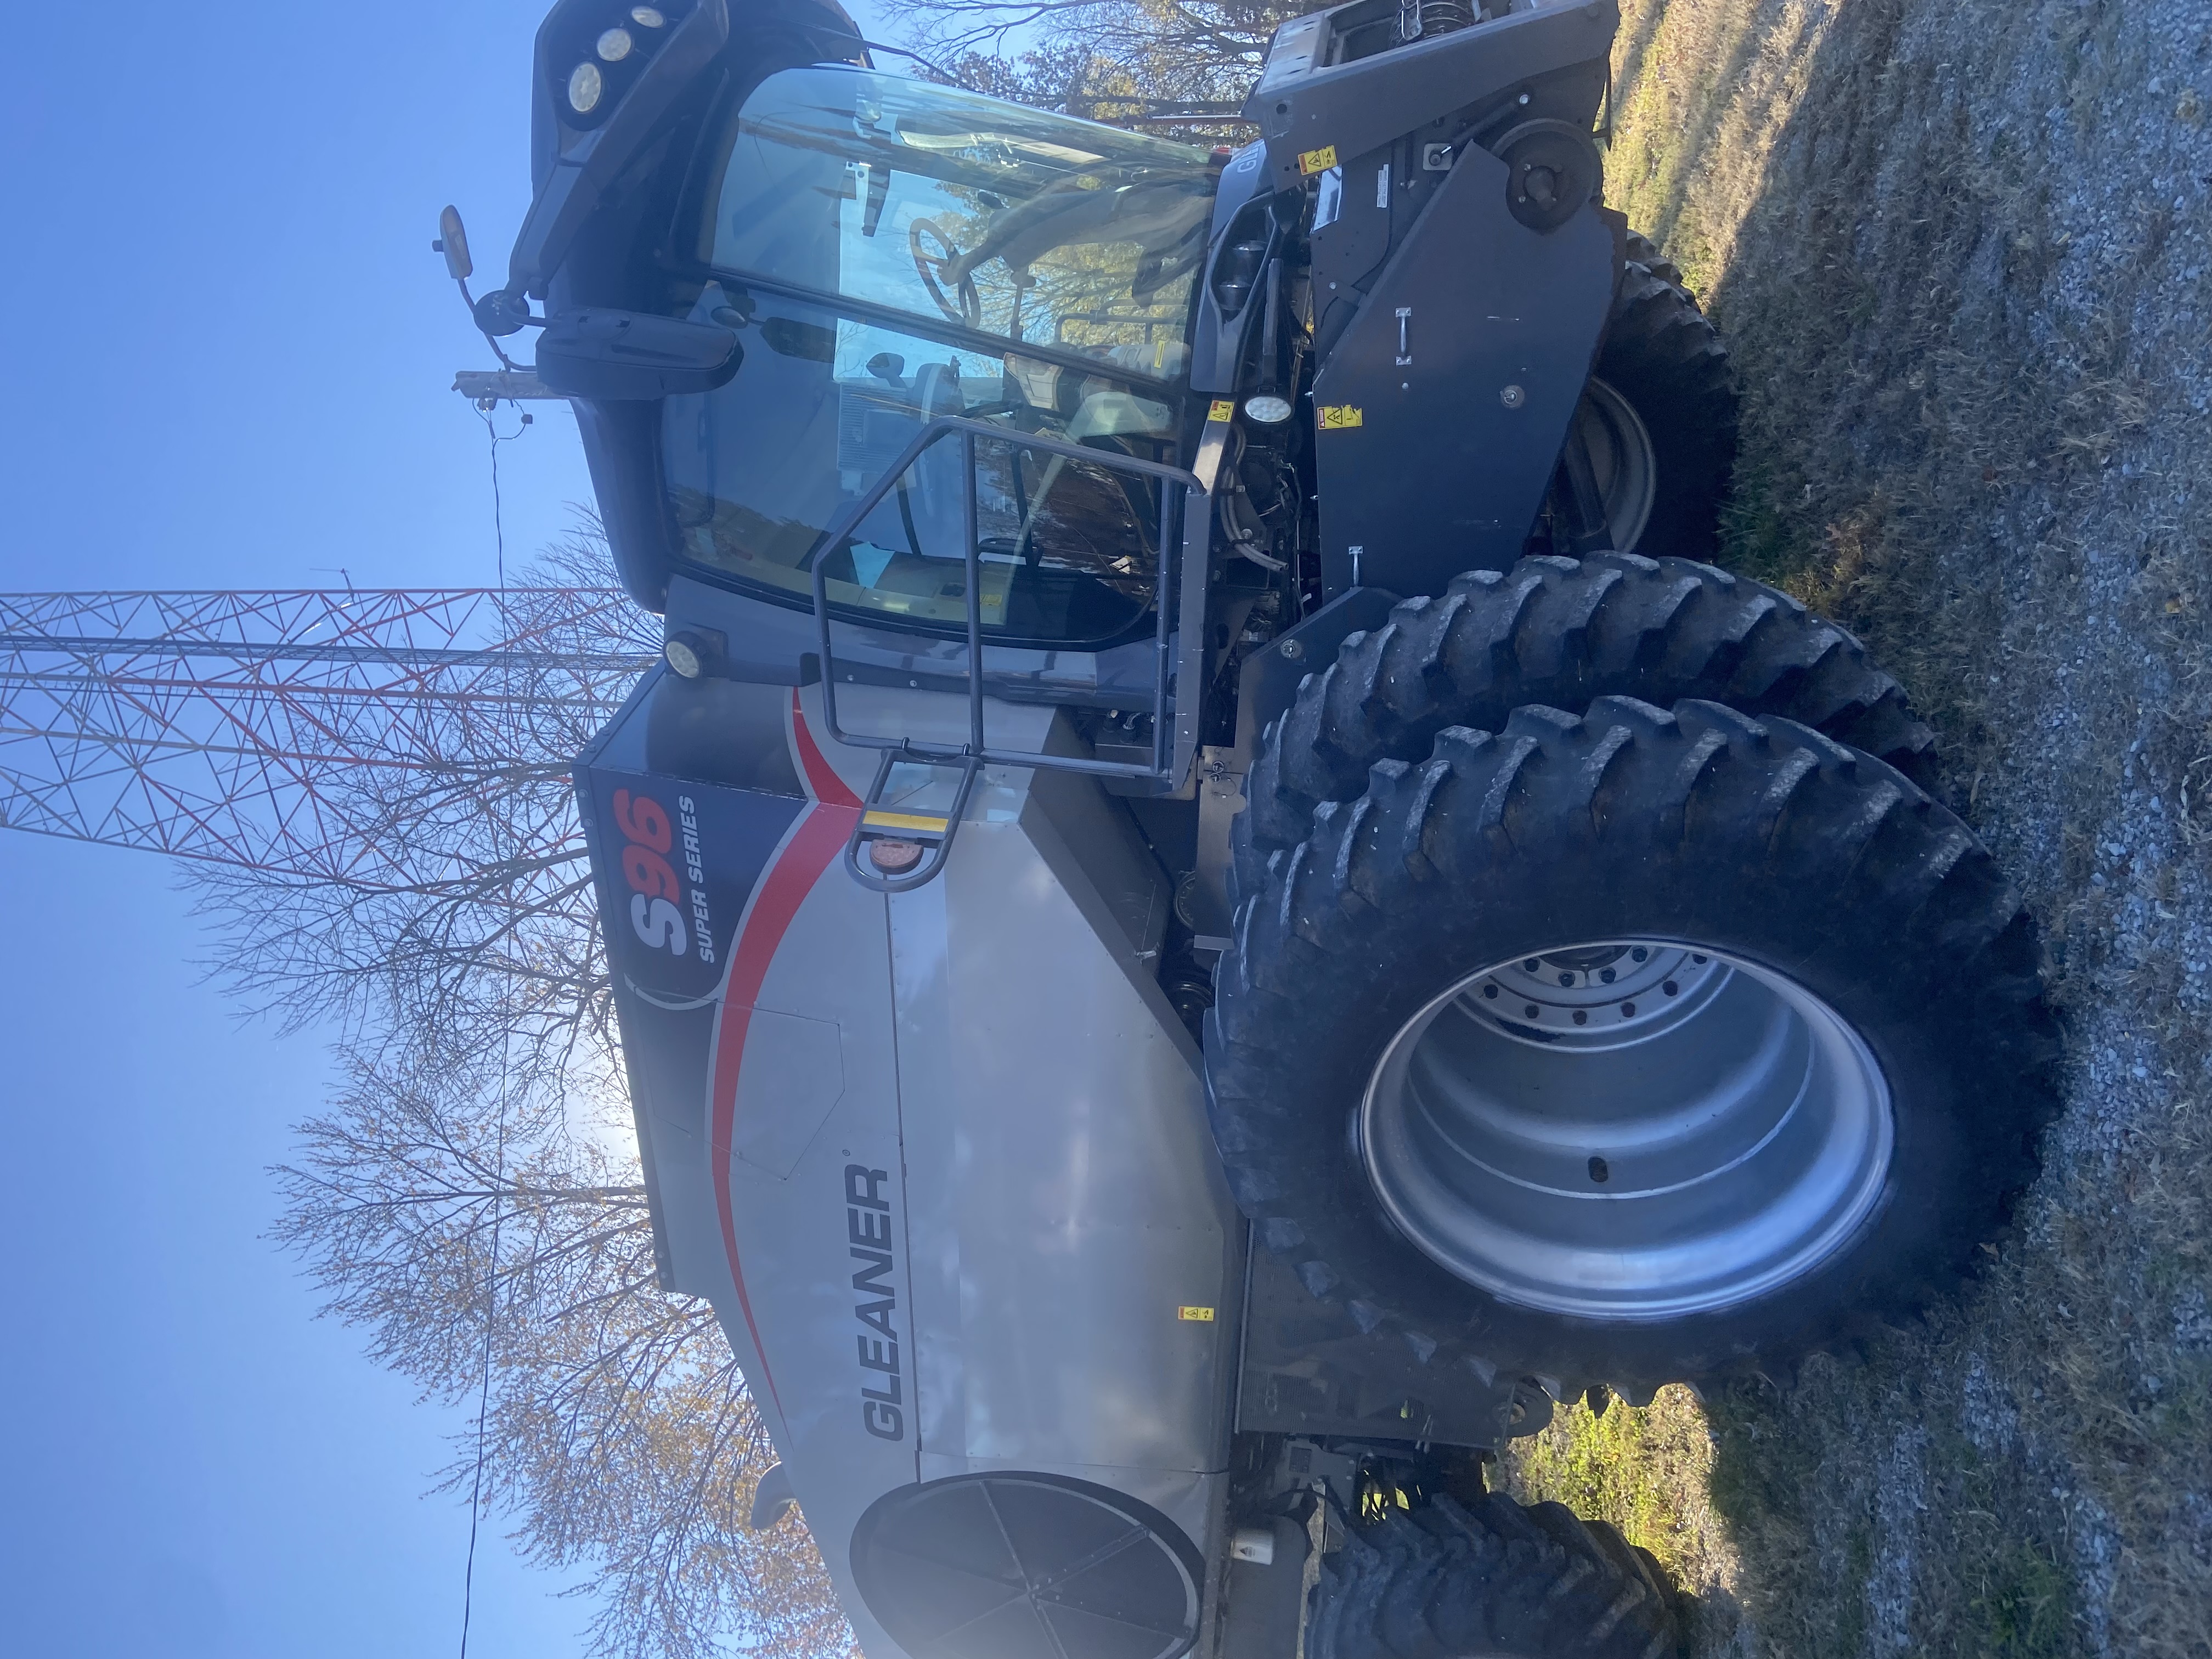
(470, 1196)
(480, 1231)
(491, 933)
(1176, 63)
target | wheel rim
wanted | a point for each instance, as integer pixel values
(1635, 1130)
(1622, 461)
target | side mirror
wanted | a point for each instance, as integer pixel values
(453, 242)
(626, 356)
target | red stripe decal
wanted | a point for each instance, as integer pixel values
(821, 777)
(811, 848)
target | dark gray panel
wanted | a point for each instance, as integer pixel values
(1360, 106)
(1261, 1604)
(1308, 1370)
(1464, 399)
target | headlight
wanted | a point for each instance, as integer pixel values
(586, 87)
(614, 44)
(1267, 410)
(647, 17)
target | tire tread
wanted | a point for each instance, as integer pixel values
(1562, 632)
(1491, 1578)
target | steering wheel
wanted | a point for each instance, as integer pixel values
(969, 313)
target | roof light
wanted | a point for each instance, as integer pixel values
(585, 85)
(647, 17)
(614, 44)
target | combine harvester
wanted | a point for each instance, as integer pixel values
(1102, 576)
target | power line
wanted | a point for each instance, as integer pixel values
(484, 1395)
(499, 1180)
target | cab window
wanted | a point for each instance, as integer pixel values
(824, 405)
(1028, 226)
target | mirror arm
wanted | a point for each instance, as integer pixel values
(500, 312)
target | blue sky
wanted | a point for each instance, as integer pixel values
(228, 352)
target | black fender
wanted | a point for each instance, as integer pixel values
(1442, 405)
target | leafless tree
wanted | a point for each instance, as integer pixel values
(1173, 63)
(470, 1195)
(483, 1231)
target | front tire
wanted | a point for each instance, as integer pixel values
(1583, 1180)
(1661, 420)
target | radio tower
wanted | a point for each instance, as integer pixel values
(307, 733)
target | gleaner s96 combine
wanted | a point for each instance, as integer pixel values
(1102, 576)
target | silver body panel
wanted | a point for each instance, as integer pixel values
(997, 1046)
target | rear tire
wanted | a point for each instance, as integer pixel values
(1491, 1579)
(1562, 632)
(1668, 363)
(1852, 930)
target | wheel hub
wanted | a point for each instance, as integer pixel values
(1634, 1130)
(1622, 462)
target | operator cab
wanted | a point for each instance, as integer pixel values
(890, 251)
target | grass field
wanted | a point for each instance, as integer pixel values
(1961, 249)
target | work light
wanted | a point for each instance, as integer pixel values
(586, 87)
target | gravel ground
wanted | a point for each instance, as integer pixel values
(1961, 250)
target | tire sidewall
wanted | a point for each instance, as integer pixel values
(1912, 1018)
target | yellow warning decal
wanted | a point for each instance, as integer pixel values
(1221, 409)
(1317, 160)
(882, 820)
(1201, 1316)
(1335, 417)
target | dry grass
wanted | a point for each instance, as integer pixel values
(1962, 252)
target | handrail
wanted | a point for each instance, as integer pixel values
(1168, 759)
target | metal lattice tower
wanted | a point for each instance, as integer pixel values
(306, 733)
